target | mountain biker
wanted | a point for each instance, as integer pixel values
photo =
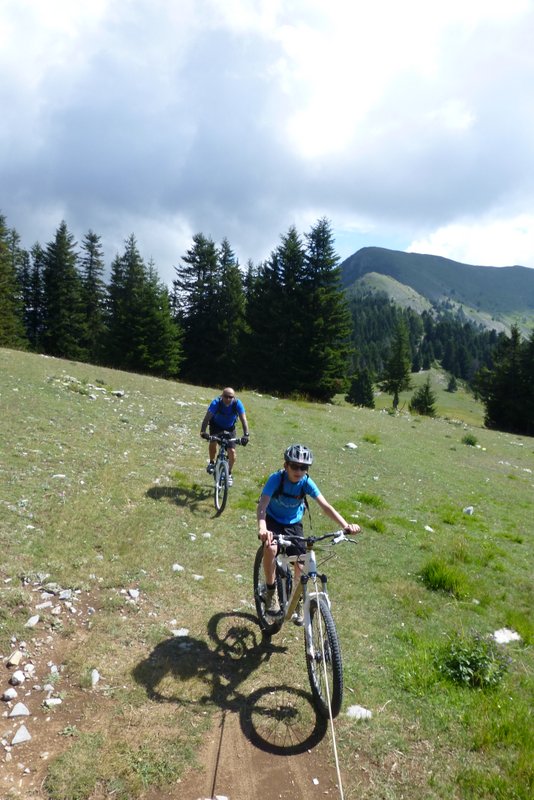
(222, 415)
(281, 507)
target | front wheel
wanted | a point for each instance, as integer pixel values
(323, 658)
(268, 624)
(221, 485)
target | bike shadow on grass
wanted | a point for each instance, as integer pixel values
(192, 497)
(276, 717)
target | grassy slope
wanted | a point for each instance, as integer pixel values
(135, 499)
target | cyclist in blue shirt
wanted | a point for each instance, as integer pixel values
(280, 510)
(222, 415)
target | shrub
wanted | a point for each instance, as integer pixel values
(474, 661)
(470, 440)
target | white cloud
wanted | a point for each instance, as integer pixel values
(404, 123)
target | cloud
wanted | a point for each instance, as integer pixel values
(402, 123)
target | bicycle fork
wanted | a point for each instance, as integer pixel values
(316, 593)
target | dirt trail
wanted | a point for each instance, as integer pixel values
(236, 769)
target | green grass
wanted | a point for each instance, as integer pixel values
(134, 499)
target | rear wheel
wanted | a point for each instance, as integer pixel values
(268, 624)
(323, 658)
(221, 485)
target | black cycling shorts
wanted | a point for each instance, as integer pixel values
(295, 549)
(216, 430)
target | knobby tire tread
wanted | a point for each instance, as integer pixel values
(221, 486)
(267, 625)
(333, 656)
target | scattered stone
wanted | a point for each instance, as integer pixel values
(22, 735)
(359, 712)
(505, 635)
(45, 604)
(17, 678)
(198, 577)
(429, 529)
(51, 702)
(65, 594)
(59, 475)
(315, 781)
(29, 669)
(351, 446)
(32, 622)
(14, 659)
(95, 677)
(180, 632)
(9, 694)
(134, 593)
(177, 568)
(469, 510)
(19, 710)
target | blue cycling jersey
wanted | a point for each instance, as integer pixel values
(286, 504)
(225, 416)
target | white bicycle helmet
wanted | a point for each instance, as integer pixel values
(298, 454)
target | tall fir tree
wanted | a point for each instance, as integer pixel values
(94, 294)
(396, 377)
(64, 319)
(424, 400)
(327, 347)
(12, 333)
(227, 366)
(35, 302)
(195, 298)
(361, 389)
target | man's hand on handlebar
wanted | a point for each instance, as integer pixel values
(204, 435)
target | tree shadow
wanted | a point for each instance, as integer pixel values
(278, 719)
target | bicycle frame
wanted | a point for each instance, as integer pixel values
(322, 648)
(221, 469)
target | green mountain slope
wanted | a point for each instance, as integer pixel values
(504, 293)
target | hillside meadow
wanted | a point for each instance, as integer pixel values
(103, 490)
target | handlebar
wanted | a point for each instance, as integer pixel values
(221, 438)
(336, 537)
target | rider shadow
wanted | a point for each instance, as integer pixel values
(191, 496)
(276, 719)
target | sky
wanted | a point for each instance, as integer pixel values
(409, 125)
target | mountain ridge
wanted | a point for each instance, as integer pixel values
(506, 294)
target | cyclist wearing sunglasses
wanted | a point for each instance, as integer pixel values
(222, 415)
(281, 508)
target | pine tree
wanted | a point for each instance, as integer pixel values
(64, 320)
(195, 298)
(424, 400)
(326, 346)
(34, 311)
(396, 376)
(361, 390)
(227, 364)
(94, 295)
(11, 302)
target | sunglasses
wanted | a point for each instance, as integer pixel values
(228, 396)
(300, 467)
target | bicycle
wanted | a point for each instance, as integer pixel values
(323, 651)
(221, 470)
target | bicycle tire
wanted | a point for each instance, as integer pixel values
(268, 624)
(221, 485)
(329, 645)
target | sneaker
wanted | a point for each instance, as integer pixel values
(272, 604)
(298, 614)
(230, 480)
(210, 469)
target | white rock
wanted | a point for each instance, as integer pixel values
(95, 677)
(505, 635)
(351, 446)
(469, 510)
(59, 475)
(19, 710)
(134, 593)
(429, 529)
(177, 568)
(17, 678)
(32, 622)
(359, 712)
(180, 632)
(50, 702)
(10, 694)
(14, 659)
(29, 669)
(22, 735)
(198, 577)
(315, 781)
